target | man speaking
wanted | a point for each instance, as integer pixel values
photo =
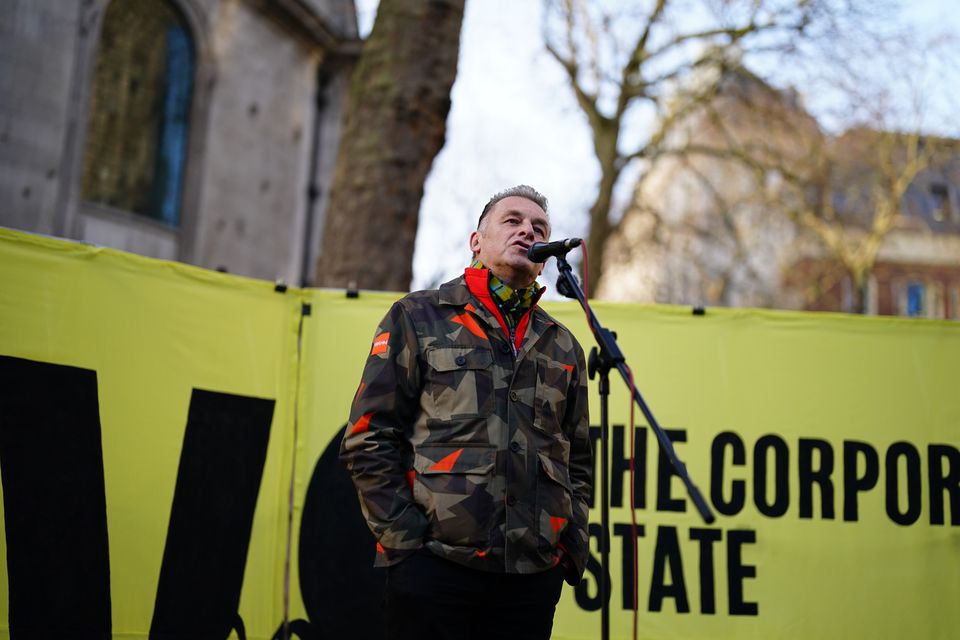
(468, 444)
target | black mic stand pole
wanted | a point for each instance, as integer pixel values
(601, 361)
(594, 366)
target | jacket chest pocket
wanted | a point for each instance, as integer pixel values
(550, 396)
(458, 382)
(454, 486)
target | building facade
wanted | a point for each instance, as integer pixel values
(203, 131)
(707, 228)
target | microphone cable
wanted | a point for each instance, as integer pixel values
(633, 511)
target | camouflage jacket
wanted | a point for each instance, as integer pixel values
(469, 443)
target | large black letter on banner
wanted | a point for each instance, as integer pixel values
(738, 488)
(221, 464)
(781, 486)
(821, 476)
(51, 465)
(737, 572)
(666, 554)
(582, 591)
(944, 481)
(629, 546)
(665, 472)
(854, 483)
(911, 458)
(620, 466)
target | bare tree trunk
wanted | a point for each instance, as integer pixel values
(395, 125)
(600, 226)
(860, 299)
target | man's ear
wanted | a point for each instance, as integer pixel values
(475, 242)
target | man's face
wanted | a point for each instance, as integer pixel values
(507, 232)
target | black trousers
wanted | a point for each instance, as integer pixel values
(430, 597)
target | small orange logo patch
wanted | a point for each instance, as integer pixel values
(362, 424)
(446, 464)
(557, 523)
(380, 344)
(467, 320)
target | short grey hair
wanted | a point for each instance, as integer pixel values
(521, 191)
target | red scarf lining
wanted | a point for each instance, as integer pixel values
(478, 284)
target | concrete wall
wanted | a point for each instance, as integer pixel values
(37, 43)
(253, 152)
(258, 143)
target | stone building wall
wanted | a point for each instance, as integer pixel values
(256, 163)
(37, 43)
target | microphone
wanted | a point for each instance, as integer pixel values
(540, 251)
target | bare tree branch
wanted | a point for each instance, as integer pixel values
(664, 68)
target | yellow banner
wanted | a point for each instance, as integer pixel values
(156, 418)
(829, 448)
(145, 444)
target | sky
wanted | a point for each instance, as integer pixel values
(513, 120)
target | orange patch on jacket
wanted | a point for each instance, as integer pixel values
(380, 344)
(568, 367)
(467, 321)
(362, 424)
(446, 464)
(557, 523)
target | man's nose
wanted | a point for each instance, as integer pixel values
(527, 228)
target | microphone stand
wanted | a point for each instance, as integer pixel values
(601, 361)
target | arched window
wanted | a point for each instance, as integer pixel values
(136, 141)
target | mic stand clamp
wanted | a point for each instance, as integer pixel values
(601, 361)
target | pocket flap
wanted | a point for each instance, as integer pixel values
(455, 358)
(555, 470)
(454, 458)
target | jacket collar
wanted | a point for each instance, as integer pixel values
(456, 293)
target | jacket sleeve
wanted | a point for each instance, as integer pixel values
(375, 446)
(576, 424)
